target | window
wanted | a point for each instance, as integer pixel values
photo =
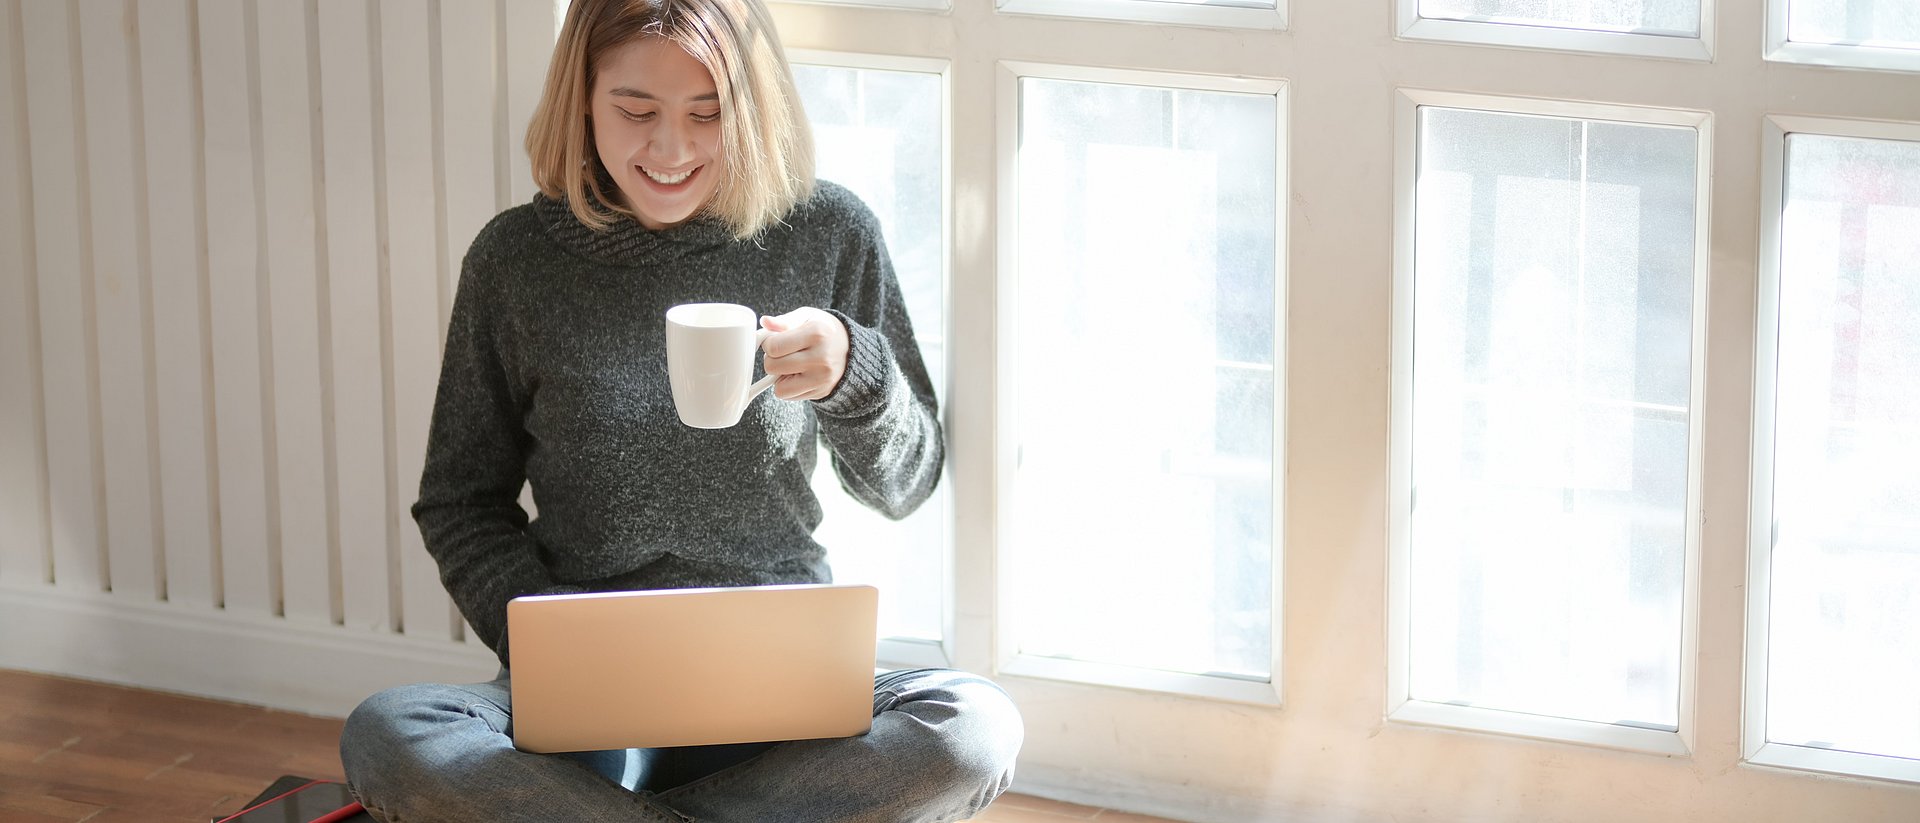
(1870, 34)
(879, 129)
(1652, 28)
(1554, 270)
(1144, 532)
(1837, 537)
(1138, 693)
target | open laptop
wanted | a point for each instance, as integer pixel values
(691, 667)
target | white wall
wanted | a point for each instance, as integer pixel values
(229, 234)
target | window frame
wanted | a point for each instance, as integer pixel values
(920, 652)
(1755, 747)
(1010, 662)
(937, 6)
(1411, 26)
(1401, 707)
(1781, 49)
(1154, 11)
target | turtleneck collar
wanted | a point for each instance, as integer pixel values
(626, 241)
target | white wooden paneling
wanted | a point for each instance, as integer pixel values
(246, 580)
(529, 33)
(23, 493)
(413, 291)
(353, 282)
(467, 124)
(175, 220)
(61, 267)
(289, 113)
(116, 176)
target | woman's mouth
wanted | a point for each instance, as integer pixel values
(668, 179)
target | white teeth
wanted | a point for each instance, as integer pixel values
(666, 180)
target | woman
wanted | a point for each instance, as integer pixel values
(675, 167)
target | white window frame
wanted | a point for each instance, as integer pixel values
(1401, 707)
(913, 5)
(1411, 26)
(1011, 662)
(1155, 11)
(1838, 55)
(1754, 744)
(918, 652)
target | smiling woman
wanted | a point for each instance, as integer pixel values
(671, 94)
(674, 167)
(656, 125)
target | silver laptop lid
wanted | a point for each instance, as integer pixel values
(690, 667)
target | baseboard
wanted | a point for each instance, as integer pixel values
(1169, 800)
(316, 669)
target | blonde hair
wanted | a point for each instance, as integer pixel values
(763, 135)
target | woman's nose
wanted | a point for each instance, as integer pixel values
(671, 143)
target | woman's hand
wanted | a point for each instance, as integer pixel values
(807, 350)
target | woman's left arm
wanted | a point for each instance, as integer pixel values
(880, 419)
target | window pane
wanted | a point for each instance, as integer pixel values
(1884, 23)
(1552, 345)
(1676, 18)
(1844, 634)
(879, 133)
(1145, 331)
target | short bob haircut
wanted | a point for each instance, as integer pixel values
(763, 132)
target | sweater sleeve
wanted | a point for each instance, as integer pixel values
(469, 512)
(882, 423)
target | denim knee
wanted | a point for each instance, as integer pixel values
(400, 737)
(990, 733)
(975, 732)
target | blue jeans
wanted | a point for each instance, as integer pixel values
(942, 747)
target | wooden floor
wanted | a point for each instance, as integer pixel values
(74, 751)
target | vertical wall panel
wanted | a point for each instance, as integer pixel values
(414, 293)
(288, 114)
(235, 299)
(467, 111)
(353, 281)
(117, 179)
(61, 268)
(23, 493)
(174, 219)
(529, 46)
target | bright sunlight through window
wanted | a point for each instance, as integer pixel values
(1844, 627)
(1553, 287)
(1144, 523)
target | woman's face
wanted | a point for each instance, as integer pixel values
(656, 124)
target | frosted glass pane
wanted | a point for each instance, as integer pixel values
(1676, 18)
(1553, 286)
(879, 133)
(1145, 383)
(1844, 627)
(1885, 23)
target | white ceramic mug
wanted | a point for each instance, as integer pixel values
(710, 349)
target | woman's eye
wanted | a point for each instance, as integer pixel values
(638, 118)
(706, 118)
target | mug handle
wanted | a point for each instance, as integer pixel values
(759, 339)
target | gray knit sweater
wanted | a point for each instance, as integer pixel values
(555, 374)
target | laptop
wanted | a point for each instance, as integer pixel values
(691, 667)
